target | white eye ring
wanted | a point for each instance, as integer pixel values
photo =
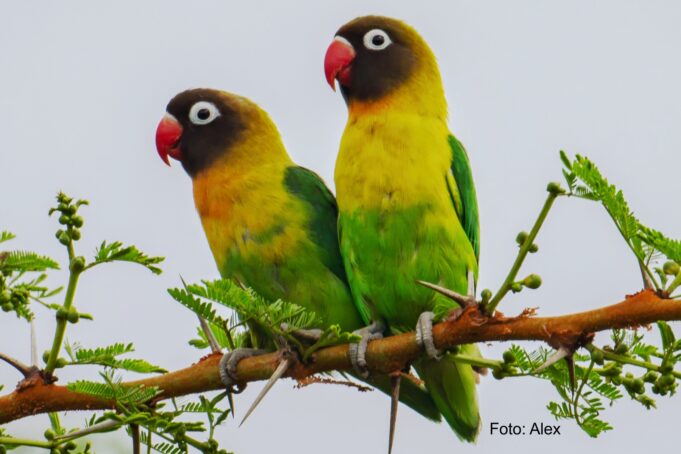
(203, 112)
(376, 34)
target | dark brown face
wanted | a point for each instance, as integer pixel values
(370, 57)
(200, 125)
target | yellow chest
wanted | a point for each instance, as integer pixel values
(247, 214)
(393, 160)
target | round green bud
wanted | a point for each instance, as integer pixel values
(639, 387)
(486, 295)
(75, 234)
(6, 307)
(666, 368)
(62, 313)
(59, 233)
(516, 287)
(555, 188)
(70, 210)
(628, 382)
(70, 446)
(61, 362)
(62, 207)
(520, 239)
(64, 219)
(671, 268)
(665, 380)
(597, 357)
(77, 264)
(650, 377)
(5, 296)
(621, 349)
(532, 281)
(77, 221)
(655, 389)
(617, 379)
(509, 357)
(46, 356)
(498, 373)
(73, 316)
(533, 248)
(49, 434)
(64, 238)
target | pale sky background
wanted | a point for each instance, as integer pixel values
(82, 88)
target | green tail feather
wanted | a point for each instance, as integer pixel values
(452, 387)
(412, 395)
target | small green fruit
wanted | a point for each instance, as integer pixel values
(75, 234)
(516, 287)
(533, 248)
(77, 221)
(671, 268)
(64, 238)
(650, 377)
(62, 314)
(78, 264)
(49, 434)
(486, 295)
(498, 373)
(555, 188)
(64, 219)
(73, 316)
(666, 368)
(509, 357)
(597, 357)
(532, 281)
(46, 356)
(520, 239)
(6, 307)
(61, 362)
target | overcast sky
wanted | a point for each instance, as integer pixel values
(82, 88)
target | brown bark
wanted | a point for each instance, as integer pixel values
(383, 356)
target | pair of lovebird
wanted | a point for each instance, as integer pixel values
(405, 208)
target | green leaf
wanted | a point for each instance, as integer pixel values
(106, 356)
(667, 335)
(6, 236)
(26, 261)
(116, 252)
(112, 389)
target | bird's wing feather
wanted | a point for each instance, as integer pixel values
(323, 212)
(462, 190)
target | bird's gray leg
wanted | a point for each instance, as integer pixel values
(228, 363)
(357, 351)
(424, 335)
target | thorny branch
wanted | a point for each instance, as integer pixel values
(383, 356)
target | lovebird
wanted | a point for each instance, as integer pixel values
(407, 204)
(270, 224)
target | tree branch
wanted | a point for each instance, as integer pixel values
(383, 356)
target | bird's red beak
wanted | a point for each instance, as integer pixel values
(168, 134)
(338, 61)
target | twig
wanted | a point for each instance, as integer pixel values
(383, 356)
(524, 249)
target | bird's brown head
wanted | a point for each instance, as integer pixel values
(373, 56)
(200, 125)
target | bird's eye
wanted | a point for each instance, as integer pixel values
(376, 39)
(203, 112)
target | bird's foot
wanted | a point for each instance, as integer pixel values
(357, 351)
(424, 335)
(305, 335)
(228, 363)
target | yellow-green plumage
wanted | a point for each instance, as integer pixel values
(405, 217)
(271, 224)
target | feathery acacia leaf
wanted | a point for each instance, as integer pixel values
(116, 252)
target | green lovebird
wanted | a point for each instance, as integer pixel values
(407, 204)
(270, 224)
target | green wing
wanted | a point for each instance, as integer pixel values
(462, 190)
(309, 187)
